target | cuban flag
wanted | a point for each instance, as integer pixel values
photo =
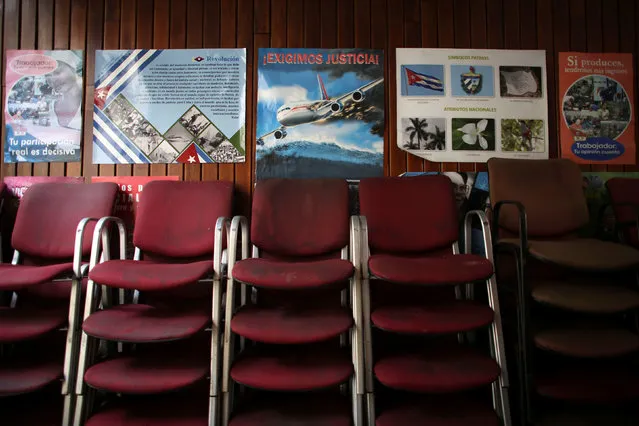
(193, 154)
(423, 80)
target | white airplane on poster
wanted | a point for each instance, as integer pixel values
(305, 112)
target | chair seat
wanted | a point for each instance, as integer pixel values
(292, 275)
(24, 323)
(21, 377)
(17, 277)
(295, 410)
(288, 325)
(588, 298)
(137, 323)
(588, 342)
(157, 411)
(586, 254)
(450, 317)
(292, 368)
(448, 411)
(437, 370)
(610, 382)
(145, 275)
(147, 374)
(457, 269)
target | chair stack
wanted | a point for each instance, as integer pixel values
(423, 287)
(40, 292)
(299, 297)
(150, 334)
(576, 297)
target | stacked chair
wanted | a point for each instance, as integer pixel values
(419, 296)
(40, 292)
(576, 297)
(150, 330)
(624, 198)
(287, 348)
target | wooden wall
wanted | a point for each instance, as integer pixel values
(553, 25)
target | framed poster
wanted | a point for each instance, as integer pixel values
(43, 106)
(320, 113)
(463, 105)
(169, 106)
(596, 95)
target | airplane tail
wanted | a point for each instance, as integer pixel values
(323, 92)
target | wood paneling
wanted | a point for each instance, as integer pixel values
(553, 25)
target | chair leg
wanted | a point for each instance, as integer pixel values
(368, 352)
(227, 354)
(358, 350)
(215, 353)
(498, 350)
(71, 351)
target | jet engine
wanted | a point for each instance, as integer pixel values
(358, 96)
(336, 107)
(280, 134)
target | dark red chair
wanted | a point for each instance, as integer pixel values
(3, 189)
(51, 238)
(423, 287)
(624, 198)
(574, 295)
(161, 344)
(296, 309)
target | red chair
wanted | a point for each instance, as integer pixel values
(410, 233)
(293, 316)
(161, 343)
(50, 244)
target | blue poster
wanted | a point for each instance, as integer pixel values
(43, 106)
(320, 113)
(169, 106)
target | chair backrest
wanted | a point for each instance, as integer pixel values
(49, 214)
(300, 217)
(624, 197)
(550, 190)
(177, 219)
(409, 214)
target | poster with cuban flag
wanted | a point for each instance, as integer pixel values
(463, 105)
(169, 106)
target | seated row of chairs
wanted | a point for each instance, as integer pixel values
(332, 319)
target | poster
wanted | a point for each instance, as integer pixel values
(128, 197)
(169, 106)
(320, 113)
(596, 94)
(16, 187)
(462, 105)
(43, 106)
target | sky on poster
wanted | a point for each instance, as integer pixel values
(281, 83)
(163, 116)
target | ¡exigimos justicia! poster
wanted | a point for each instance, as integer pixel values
(597, 121)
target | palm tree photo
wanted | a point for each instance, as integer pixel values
(416, 130)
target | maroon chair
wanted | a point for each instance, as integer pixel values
(162, 346)
(50, 242)
(624, 197)
(410, 233)
(3, 189)
(291, 324)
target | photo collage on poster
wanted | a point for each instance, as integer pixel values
(169, 106)
(597, 123)
(456, 105)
